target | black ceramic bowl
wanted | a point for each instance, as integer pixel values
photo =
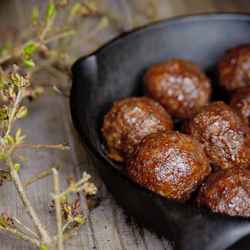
(116, 71)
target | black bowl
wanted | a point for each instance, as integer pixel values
(116, 71)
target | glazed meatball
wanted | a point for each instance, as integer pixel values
(180, 86)
(240, 103)
(128, 121)
(226, 191)
(224, 136)
(233, 70)
(169, 163)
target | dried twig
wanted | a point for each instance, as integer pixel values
(39, 176)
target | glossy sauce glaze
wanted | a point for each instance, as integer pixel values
(180, 86)
(128, 121)
(240, 103)
(226, 191)
(233, 70)
(169, 163)
(224, 136)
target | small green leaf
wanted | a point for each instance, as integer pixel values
(26, 82)
(79, 218)
(1, 227)
(64, 199)
(17, 165)
(21, 139)
(29, 49)
(43, 247)
(22, 112)
(50, 11)
(10, 91)
(29, 62)
(10, 139)
(1, 157)
(75, 8)
(18, 133)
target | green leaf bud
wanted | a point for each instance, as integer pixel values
(21, 139)
(17, 166)
(29, 62)
(26, 82)
(13, 76)
(16, 78)
(79, 218)
(3, 112)
(84, 11)
(64, 199)
(75, 8)
(10, 139)
(29, 49)
(22, 112)
(50, 11)
(18, 133)
(1, 157)
(43, 247)
(5, 221)
(6, 91)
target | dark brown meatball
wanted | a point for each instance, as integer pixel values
(180, 86)
(224, 136)
(226, 191)
(169, 163)
(233, 70)
(128, 121)
(240, 103)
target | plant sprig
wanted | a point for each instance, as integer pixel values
(14, 93)
(49, 43)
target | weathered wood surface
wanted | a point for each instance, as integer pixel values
(108, 227)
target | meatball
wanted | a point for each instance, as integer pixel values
(224, 136)
(128, 121)
(240, 103)
(180, 86)
(169, 163)
(233, 70)
(226, 191)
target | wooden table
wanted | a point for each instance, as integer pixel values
(108, 226)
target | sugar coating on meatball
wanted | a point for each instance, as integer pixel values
(240, 103)
(180, 86)
(224, 136)
(128, 121)
(226, 191)
(169, 163)
(233, 70)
